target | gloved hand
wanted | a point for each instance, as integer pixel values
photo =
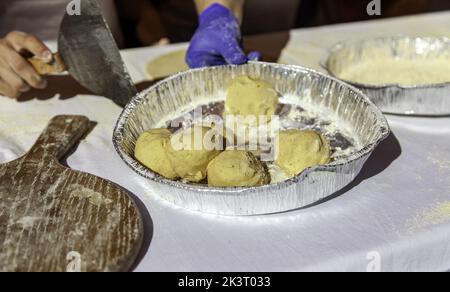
(217, 40)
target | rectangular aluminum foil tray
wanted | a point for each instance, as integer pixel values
(415, 100)
(325, 103)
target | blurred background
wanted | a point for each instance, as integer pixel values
(176, 20)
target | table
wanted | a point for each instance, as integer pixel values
(394, 217)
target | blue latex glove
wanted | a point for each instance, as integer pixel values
(217, 40)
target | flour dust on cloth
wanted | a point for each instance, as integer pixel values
(43, 17)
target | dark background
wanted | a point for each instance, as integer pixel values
(176, 20)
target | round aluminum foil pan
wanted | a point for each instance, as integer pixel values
(415, 100)
(332, 102)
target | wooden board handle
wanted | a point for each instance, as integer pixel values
(55, 67)
(62, 133)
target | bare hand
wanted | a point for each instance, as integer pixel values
(16, 73)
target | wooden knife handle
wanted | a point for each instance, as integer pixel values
(61, 134)
(55, 67)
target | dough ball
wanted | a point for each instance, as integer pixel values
(237, 169)
(299, 150)
(151, 151)
(251, 97)
(167, 65)
(191, 150)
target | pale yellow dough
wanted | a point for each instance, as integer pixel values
(167, 65)
(190, 162)
(151, 151)
(299, 150)
(237, 169)
(379, 71)
(251, 97)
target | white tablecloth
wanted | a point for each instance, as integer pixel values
(395, 217)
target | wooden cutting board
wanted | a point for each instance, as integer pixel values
(56, 219)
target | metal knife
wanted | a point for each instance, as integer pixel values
(88, 51)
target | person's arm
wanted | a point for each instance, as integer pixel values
(218, 39)
(17, 75)
(236, 6)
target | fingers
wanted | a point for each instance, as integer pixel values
(233, 53)
(14, 66)
(234, 56)
(204, 59)
(21, 67)
(12, 85)
(22, 41)
(6, 90)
